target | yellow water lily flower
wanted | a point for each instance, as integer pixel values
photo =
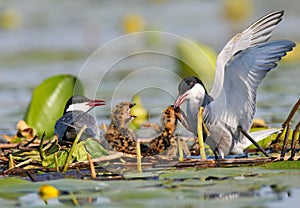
(10, 19)
(132, 23)
(48, 192)
(139, 111)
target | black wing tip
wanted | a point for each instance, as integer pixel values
(275, 17)
(281, 12)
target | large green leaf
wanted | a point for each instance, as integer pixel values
(48, 101)
(197, 59)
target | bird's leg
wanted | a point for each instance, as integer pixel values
(253, 141)
(217, 160)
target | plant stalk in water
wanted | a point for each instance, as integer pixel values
(56, 162)
(41, 151)
(92, 167)
(200, 134)
(180, 150)
(138, 156)
(73, 148)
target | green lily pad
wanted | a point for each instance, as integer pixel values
(8, 183)
(48, 101)
(283, 165)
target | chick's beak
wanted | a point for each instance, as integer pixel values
(129, 113)
(182, 118)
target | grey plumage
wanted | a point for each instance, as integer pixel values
(75, 117)
(241, 66)
(70, 124)
(236, 104)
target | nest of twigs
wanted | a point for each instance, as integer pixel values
(24, 158)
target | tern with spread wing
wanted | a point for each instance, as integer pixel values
(230, 106)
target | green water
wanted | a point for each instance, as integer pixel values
(218, 187)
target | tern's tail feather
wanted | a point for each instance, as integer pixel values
(260, 135)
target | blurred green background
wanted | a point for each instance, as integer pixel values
(41, 39)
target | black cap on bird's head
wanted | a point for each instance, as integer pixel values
(188, 83)
(81, 103)
(185, 89)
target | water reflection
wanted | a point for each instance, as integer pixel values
(265, 195)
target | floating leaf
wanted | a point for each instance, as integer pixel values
(48, 101)
(283, 165)
(9, 183)
(95, 148)
(80, 153)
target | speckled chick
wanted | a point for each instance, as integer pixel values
(118, 135)
(166, 139)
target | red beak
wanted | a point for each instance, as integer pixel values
(180, 99)
(97, 103)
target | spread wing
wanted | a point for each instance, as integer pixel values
(259, 32)
(236, 103)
